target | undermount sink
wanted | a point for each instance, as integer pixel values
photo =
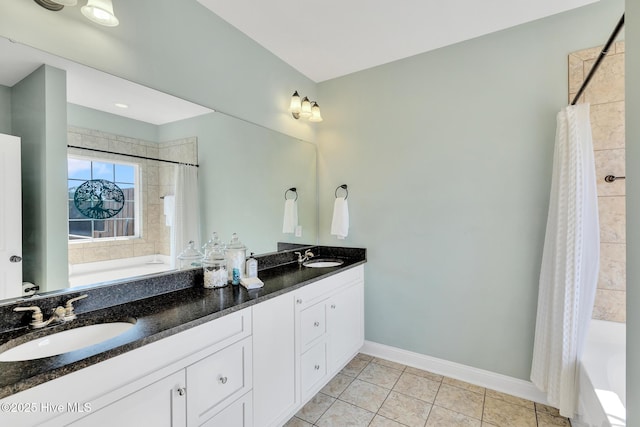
(323, 262)
(64, 341)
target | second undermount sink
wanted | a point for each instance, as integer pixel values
(64, 341)
(323, 262)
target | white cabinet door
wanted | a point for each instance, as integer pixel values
(345, 323)
(162, 403)
(10, 218)
(274, 379)
(238, 414)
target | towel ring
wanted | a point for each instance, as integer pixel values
(293, 189)
(344, 187)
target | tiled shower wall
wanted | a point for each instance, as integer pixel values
(605, 93)
(156, 180)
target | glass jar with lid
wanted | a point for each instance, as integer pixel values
(214, 266)
(212, 243)
(190, 257)
(236, 255)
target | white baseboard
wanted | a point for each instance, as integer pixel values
(503, 383)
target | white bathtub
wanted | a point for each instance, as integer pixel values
(106, 271)
(602, 397)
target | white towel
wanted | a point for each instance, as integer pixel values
(340, 222)
(290, 221)
(169, 209)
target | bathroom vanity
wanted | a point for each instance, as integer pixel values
(201, 357)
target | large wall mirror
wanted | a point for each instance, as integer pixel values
(79, 125)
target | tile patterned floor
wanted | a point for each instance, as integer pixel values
(379, 393)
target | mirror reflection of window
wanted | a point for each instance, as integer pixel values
(124, 176)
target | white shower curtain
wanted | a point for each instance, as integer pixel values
(187, 210)
(570, 262)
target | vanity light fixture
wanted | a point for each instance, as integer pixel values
(98, 11)
(304, 108)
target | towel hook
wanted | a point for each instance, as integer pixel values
(291, 189)
(611, 178)
(344, 187)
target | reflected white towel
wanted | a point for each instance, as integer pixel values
(340, 221)
(290, 221)
(169, 209)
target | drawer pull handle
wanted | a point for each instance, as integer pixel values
(223, 380)
(333, 306)
(182, 391)
(316, 324)
(317, 367)
(299, 301)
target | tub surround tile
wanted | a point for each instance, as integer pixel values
(613, 272)
(607, 85)
(610, 305)
(610, 162)
(608, 125)
(611, 211)
(547, 409)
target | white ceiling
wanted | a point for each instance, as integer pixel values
(324, 39)
(95, 89)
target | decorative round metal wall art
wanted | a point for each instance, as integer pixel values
(98, 199)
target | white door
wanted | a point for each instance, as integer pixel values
(10, 218)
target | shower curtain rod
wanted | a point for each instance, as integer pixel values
(133, 155)
(604, 52)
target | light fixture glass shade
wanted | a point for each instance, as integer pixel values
(315, 113)
(66, 2)
(296, 104)
(100, 12)
(305, 111)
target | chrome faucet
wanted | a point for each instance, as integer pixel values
(60, 314)
(307, 255)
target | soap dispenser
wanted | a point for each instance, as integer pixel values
(236, 254)
(252, 266)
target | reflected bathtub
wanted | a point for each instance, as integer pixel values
(602, 397)
(107, 271)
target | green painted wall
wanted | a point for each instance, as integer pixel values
(89, 118)
(5, 109)
(178, 47)
(632, 99)
(448, 158)
(39, 118)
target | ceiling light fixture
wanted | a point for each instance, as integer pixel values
(121, 105)
(98, 11)
(303, 108)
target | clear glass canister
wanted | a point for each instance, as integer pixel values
(212, 243)
(214, 265)
(236, 254)
(190, 257)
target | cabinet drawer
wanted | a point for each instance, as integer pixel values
(238, 414)
(313, 323)
(218, 379)
(313, 367)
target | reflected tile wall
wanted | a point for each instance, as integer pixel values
(606, 96)
(156, 180)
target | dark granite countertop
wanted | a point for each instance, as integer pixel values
(157, 317)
